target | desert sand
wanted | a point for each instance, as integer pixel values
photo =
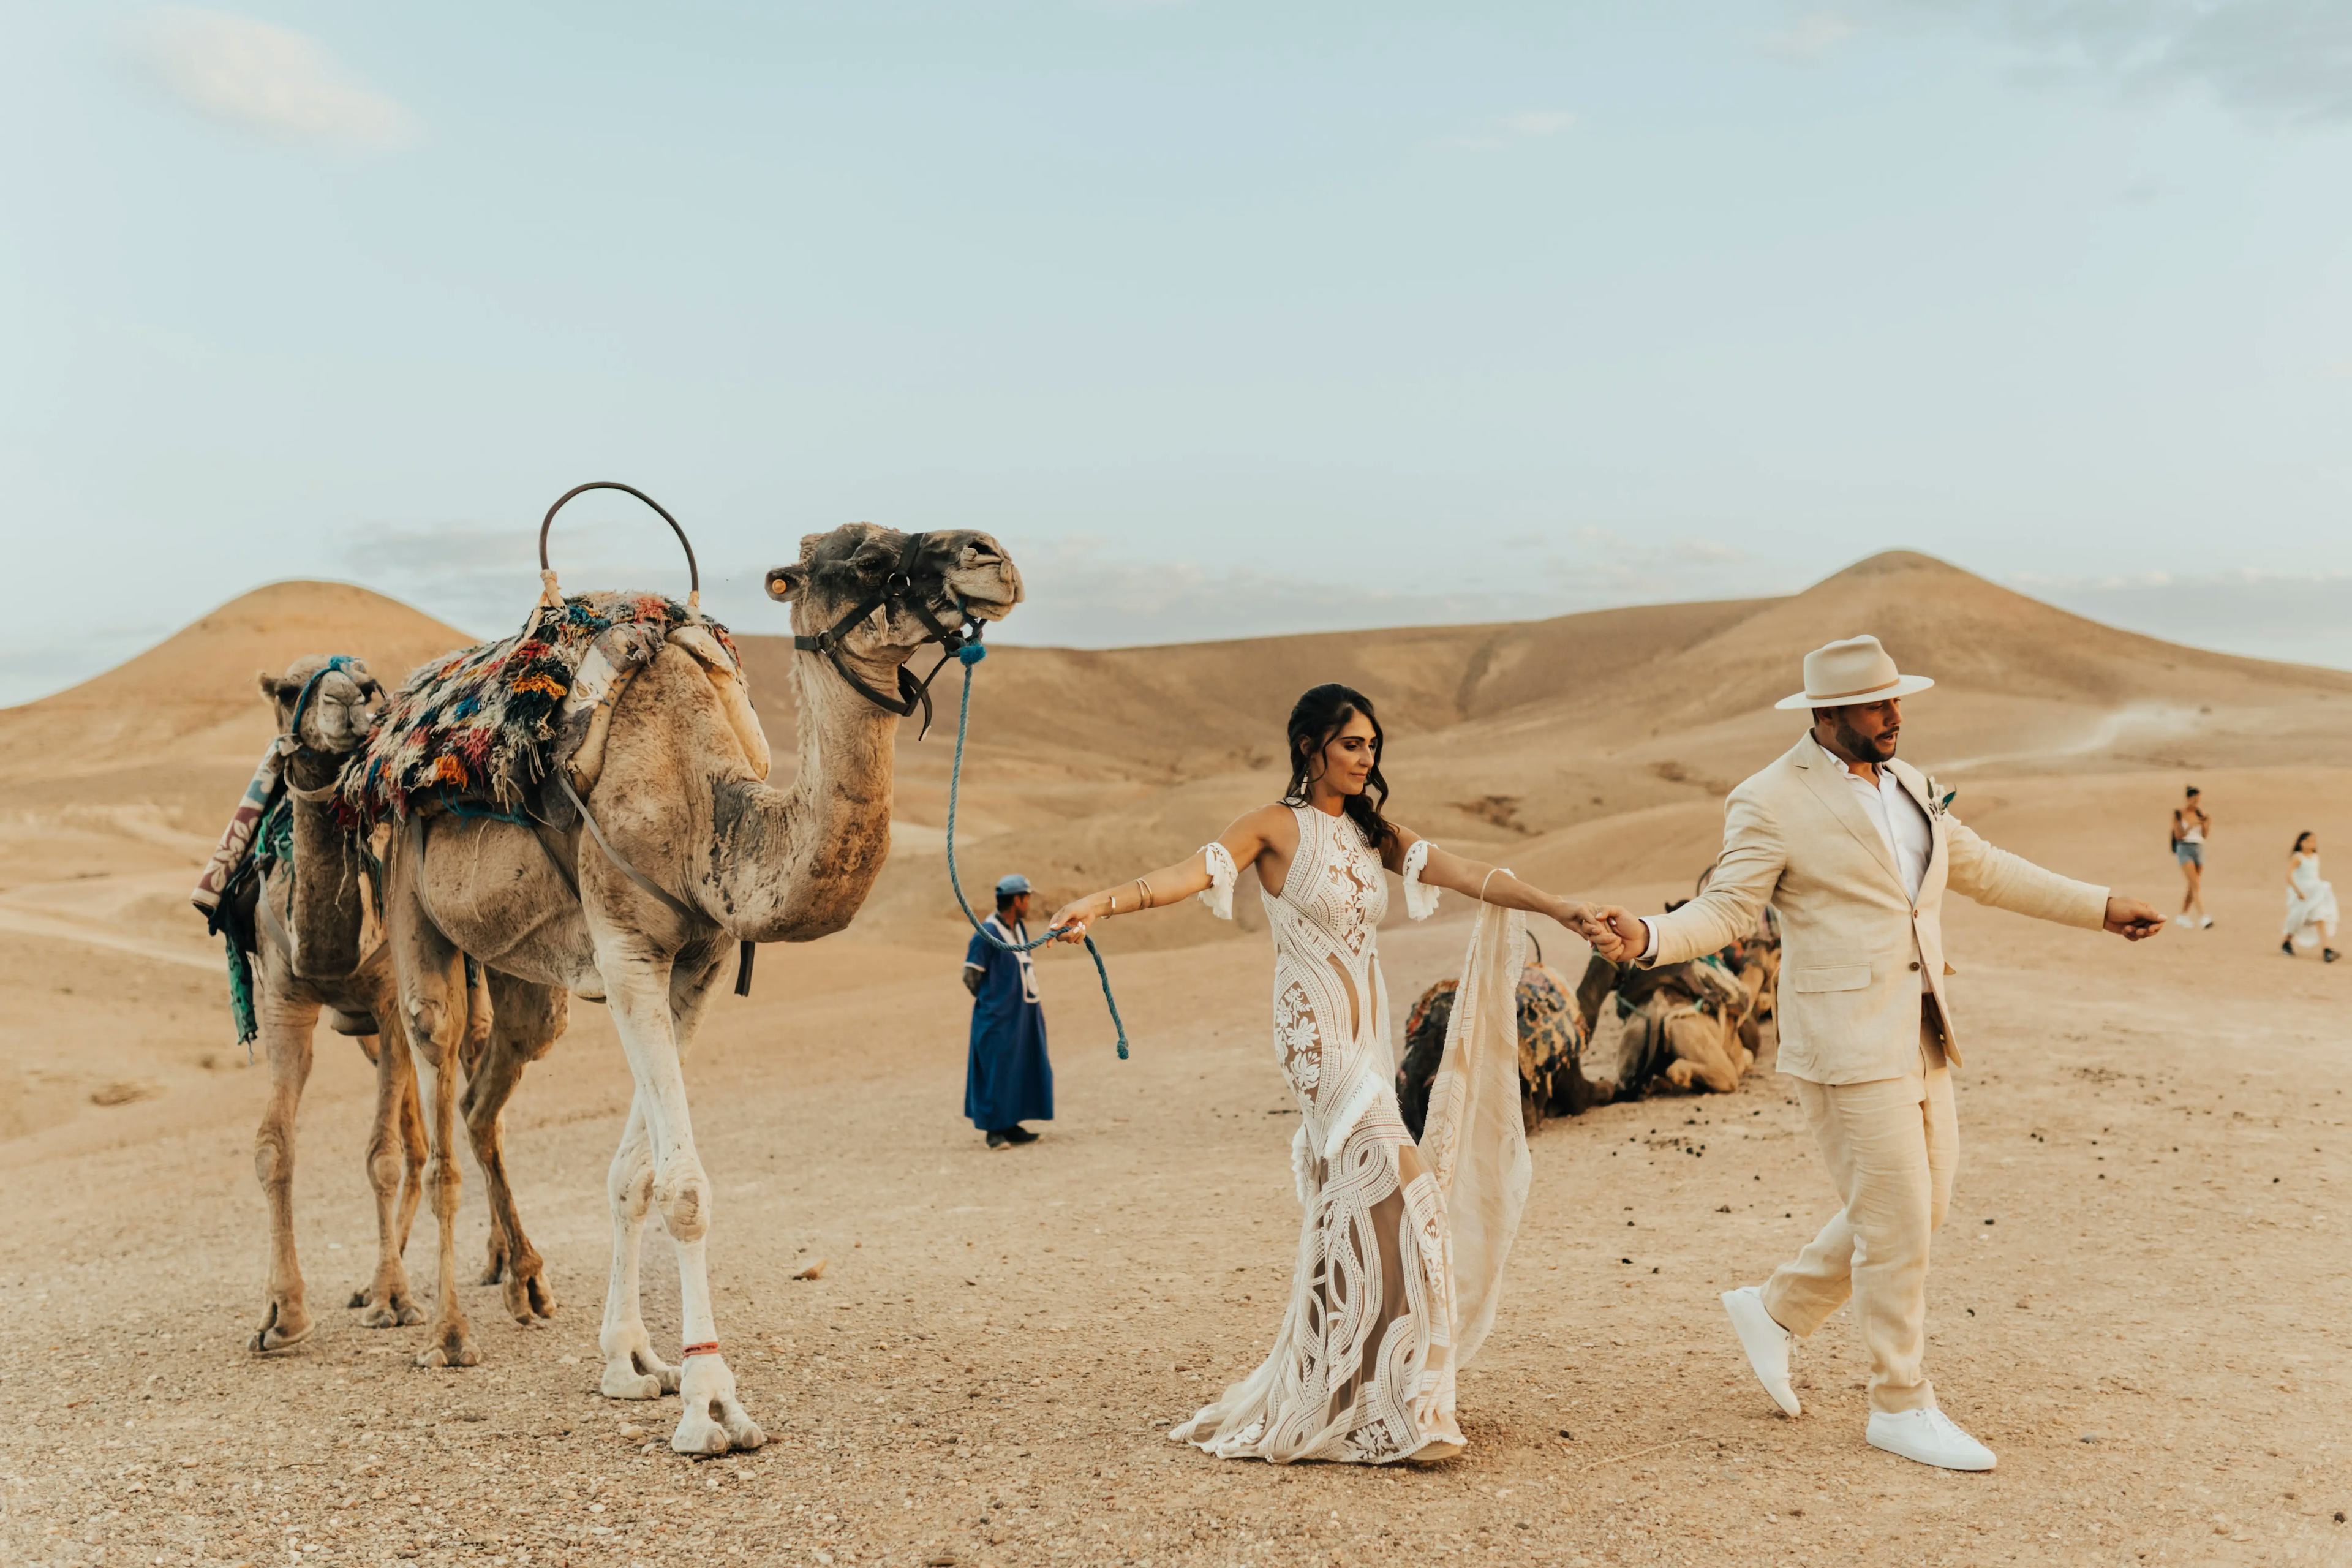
(2137, 1300)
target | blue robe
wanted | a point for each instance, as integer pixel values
(1007, 1079)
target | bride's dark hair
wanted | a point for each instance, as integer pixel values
(1321, 713)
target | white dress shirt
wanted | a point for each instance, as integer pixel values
(1902, 827)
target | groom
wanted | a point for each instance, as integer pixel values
(1854, 850)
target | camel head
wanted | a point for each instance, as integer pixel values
(952, 575)
(343, 702)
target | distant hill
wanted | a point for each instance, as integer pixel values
(191, 702)
(1091, 764)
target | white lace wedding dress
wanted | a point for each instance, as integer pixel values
(1401, 1247)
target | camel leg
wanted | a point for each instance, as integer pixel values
(433, 1012)
(654, 1010)
(385, 1303)
(287, 1024)
(632, 1370)
(413, 1147)
(1701, 1060)
(527, 1022)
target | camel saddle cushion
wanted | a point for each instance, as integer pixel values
(482, 731)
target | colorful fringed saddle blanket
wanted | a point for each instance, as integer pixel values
(483, 730)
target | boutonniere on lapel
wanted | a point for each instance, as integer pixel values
(1940, 799)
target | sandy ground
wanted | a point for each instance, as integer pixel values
(2136, 1302)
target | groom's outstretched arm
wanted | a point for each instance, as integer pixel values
(1994, 875)
(1743, 883)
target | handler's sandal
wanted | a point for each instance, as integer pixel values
(1768, 1344)
(1929, 1436)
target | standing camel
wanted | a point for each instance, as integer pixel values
(682, 808)
(317, 948)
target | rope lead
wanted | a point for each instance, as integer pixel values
(971, 654)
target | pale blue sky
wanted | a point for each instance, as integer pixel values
(1226, 317)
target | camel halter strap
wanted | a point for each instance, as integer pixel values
(900, 591)
(291, 740)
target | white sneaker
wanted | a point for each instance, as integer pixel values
(1768, 1344)
(2205, 924)
(1929, 1436)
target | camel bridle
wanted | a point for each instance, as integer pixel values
(909, 587)
(291, 740)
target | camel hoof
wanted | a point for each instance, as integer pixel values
(623, 1381)
(454, 1347)
(699, 1434)
(529, 1299)
(396, 1311)
(277, 1330)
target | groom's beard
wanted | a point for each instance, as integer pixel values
(1864, 750)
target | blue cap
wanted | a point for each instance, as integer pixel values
(1007, 887)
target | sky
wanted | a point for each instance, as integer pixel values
(1226, 319)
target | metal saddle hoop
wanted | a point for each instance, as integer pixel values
(547, 572)
(899, 592)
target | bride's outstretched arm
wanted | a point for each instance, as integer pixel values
(1243, 842)
(1492, 885)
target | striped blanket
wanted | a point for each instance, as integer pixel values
(481, 730)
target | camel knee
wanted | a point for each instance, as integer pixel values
(685, 1200)
(273, 1153)
(386, 1160)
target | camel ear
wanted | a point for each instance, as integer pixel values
(274, 690)
(785, 583)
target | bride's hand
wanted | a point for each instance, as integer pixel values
(1069, 922)
(1582, 918)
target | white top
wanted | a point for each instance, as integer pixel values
(1901, 825)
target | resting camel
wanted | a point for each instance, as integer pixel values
(680, 799)
(317, 949)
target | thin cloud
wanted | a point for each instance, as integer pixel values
(2303, 617)
(2279, 63)
(272, 81)
(1527, 124)
(1810, 37)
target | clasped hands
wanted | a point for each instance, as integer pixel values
(1616, 935)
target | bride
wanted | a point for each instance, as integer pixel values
(1402, 1245)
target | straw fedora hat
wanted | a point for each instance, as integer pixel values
(1854, 671)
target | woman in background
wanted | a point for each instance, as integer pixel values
(2310, 902)
(2190, 826)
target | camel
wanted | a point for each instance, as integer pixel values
(678, 803)
(317, 949)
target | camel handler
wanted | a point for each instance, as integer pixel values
(1855, 850)
(1007, 1078)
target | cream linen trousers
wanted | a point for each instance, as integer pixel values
(1891, 1144)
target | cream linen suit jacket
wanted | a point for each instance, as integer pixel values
(1855, 945)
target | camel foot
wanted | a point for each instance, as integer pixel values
(528, 1298)
(715, 1426)
(714, 1420)
(638, 1375)
(286, 1324)
(453, 1346)
(392, 1309)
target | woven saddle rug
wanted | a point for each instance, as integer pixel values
(482, 732)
